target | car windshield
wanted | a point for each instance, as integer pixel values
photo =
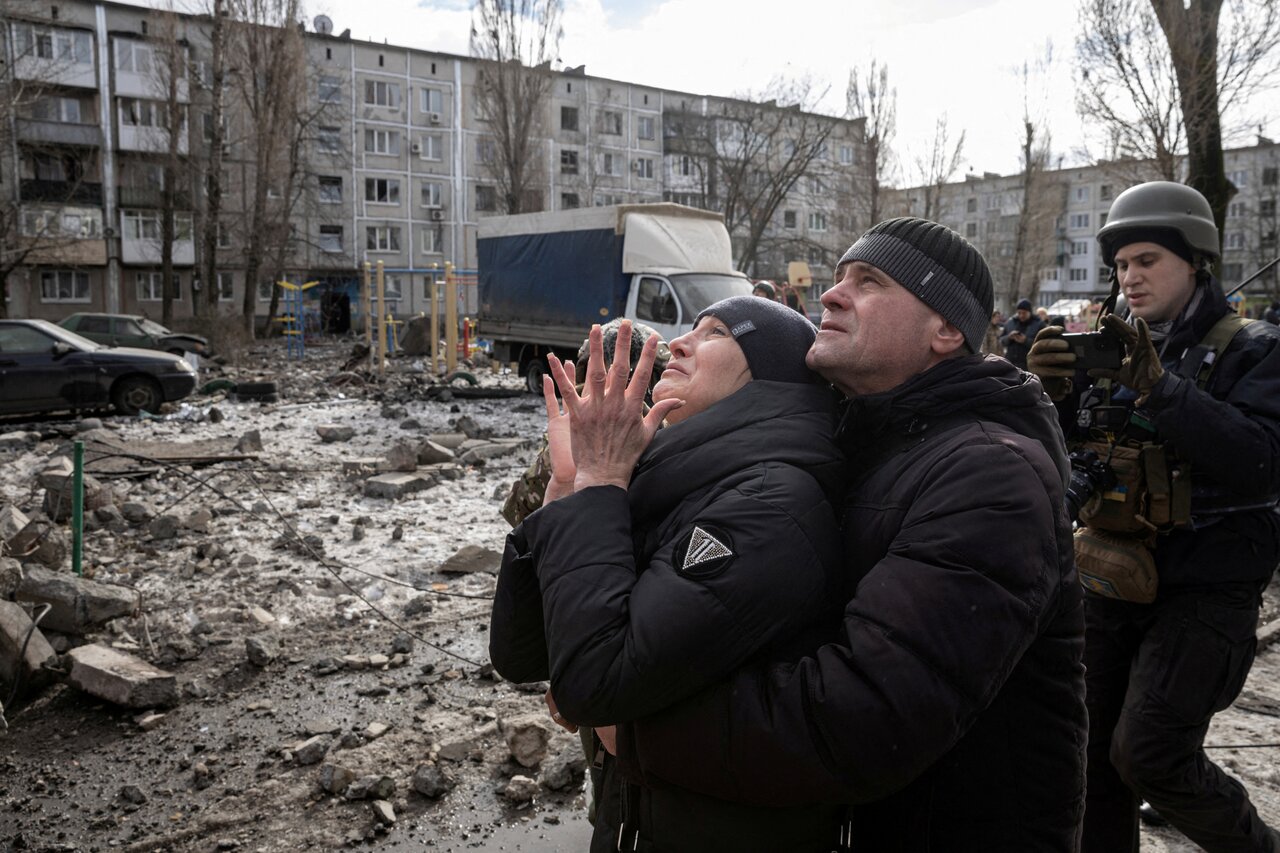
(698, 290)
(151, 327)
(65, 336)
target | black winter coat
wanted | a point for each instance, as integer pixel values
(952, 703)
(1016, 352)
(724, 550)
(1230, 434)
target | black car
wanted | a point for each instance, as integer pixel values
(132, 330)
(45, 368)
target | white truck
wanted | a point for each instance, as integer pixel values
(545, 278)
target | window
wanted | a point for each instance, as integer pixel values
(993, 201)
(788, 219)
(486, 150)
(568, 162)
(608, 164)
(331, 238)
(1081, 194)
(59, 109)
(329, 140)
(1078, 220)
(432, 240)
(817, 186)
(226, 286)
(684, 166)
(1236, 209)
(569, 201)
(1104, 192)
(391, 288)
(380, 93)
(223, 236)
(139, 113)
(608, 199)
(486, 199)
(432, 101)
(382, 141)
(645, 128)
(971, 229)
(382, 238)
(817, 221)
(73, 46)
(644, 167)
(64, 286)
(329, 89)
(1104, 273)
(611, 123)
(382, 190)
(1079, 247)
(971, 206)
(330, 189)
(1049, 275)
(432, 147)
(655, 302)
(54, 222)
(1235, 240)
(151, 287)
(1239, 178)
(141, 225)
(846, 155)
(1267, 207)
(1079, 275)
(568, 118)
(1102, 219)
(133, 56)
(1269, 176)
(432, 193)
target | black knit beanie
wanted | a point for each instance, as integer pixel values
(773, 337)
(936, 264)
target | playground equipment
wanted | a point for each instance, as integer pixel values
(294, 318)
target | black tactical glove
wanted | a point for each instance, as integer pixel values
(1141, 369)
(1051, 359)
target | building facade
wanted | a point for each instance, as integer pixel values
(396, 165)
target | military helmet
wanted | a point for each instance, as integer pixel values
(1162, 205)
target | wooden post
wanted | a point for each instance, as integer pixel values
(364, 307)
(435, 326)
(450, 318)
(381, 329)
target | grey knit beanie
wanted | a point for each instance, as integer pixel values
(936, 264)
(773, 337)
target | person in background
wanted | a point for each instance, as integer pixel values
(991, 341)
(765, 290)
(1019, 332)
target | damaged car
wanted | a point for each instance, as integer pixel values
(45, 368)
(133, 330)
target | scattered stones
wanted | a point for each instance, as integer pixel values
(563, 770)
(432, 782)
(261, 616)
(10, 577)
(120, 678)
(132, 794)
(333, 434)
(164, 527)
(410, 424)
(199, 521)
(432, 453)
(41, 541)
(402, 644)
(520, 789)
(472, 558)
(134, 512)
(311, 750)
(335, 778)
(12, 520)
(320, 727)
(394, 486)
(383, 813)
(15, 627)
(59, 483)
(79, 605)
(357, 533)
(373, 731)
(250, 442)
(260, 651)
(397, 533)
(371, 788)
(421, 605)
(527, 736)
(394, 413)
(147, 722)
(402, 457)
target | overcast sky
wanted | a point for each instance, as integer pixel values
(960, 58)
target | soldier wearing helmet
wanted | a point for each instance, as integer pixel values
(1176, 477)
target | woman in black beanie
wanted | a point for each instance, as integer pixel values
(720, 548)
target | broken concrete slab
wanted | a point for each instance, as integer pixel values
(371, 788)
(431, 453)
(312, 750)
(432, 782)
(332, 434)
(448, 440)
(59, 488)
(334, 778)
(486, 450)
(383, 813)
(472, 558)
(42, 541)
(120, 678)
(250, 442)
(10, 577)
(16, 628)
(260, 651)
(394, 486)
(12, 520)
(527, 736)
(521, 789)
(402, 457)
(79, 605)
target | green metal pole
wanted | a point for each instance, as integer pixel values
(77, 509)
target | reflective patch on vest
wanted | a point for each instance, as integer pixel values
(704, 553)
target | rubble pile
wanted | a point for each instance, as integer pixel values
(278, 640)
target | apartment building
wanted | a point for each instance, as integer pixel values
(1059, 254)
(398, 164)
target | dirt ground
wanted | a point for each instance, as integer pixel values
(292, 554)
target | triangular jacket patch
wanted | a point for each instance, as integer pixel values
(705, 553)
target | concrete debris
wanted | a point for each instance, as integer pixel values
(484, 451)
(10, 576)
(432, 453)
(16, 628)
(260, 651)
(403, 457)
(410, 424)
(371, 788)
(432, 782)
(120, 678)
(18, 440)
(330, 434)
(250, 442)
(564, 770)
(468, 427)
(79, 605)
(132, 794)
(402, 644)
(261, 616)
(135, 513)
(448, 440)
(373, 731)
(472, 558)
(164, 527)
(311, 750)
(42, 541)
(59, 485)
(394, 486)
(12, 520)
(147, 722)
(334, 778)
(527, 736)
(520, 789)
(459, 749)
(199, 520)
(383, 813)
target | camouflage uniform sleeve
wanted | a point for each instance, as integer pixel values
(528, 489)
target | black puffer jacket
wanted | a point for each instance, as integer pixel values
(952, 703)
(1230, 434)
(724, 550)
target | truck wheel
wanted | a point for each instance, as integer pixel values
(134, 394)
(533, 378)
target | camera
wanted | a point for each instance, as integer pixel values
(1102, 349)
(1089, 475)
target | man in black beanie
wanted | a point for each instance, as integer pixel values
(948, 709)
(1019, 332)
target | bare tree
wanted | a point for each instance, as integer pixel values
(216, 139)
(870, 96)
(516, 41)
(169, 70)
(1182, 70)
(937, 164)
(1033, 232)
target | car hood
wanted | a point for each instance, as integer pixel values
(184, 336)
(134, 354)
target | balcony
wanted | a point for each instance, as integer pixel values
(151, 198)
(59, 133)
(62, 192)
(153, 140)
(61, 72)
(148, 251)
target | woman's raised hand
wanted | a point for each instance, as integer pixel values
(559, 443)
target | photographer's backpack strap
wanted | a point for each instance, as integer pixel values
(1199, 361)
